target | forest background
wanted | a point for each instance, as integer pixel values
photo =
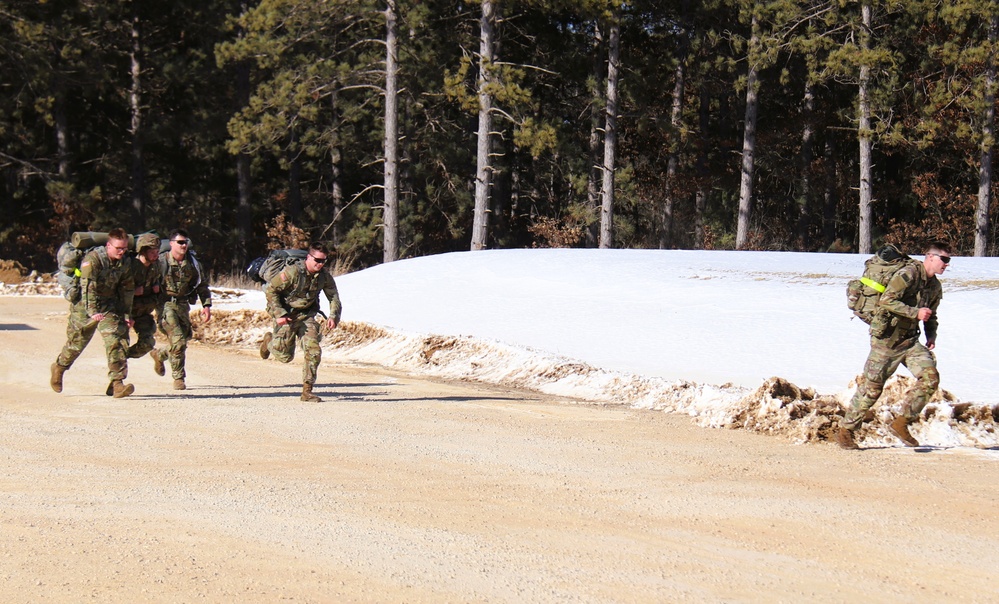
(401, 128)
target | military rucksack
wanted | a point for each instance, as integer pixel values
(863, 294)
(68, 276)
(262, 270)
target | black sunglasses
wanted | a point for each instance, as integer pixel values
(318, 260)
(944, 259)
(181, 241)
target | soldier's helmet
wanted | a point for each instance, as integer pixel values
(147, 240)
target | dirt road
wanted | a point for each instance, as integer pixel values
(398, 489)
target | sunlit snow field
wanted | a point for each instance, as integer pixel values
(628, 326)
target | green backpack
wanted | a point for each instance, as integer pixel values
(862, 294)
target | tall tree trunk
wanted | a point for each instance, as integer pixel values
(748, 141)
(596, 125)
(244, 208)
(483, 169)
(806, 155)
(703, 177)
(676, 116)
(864, 135)
(610, 136)
(135, 105)
(294, 178)
(988, 134)
(831, 195)
(336, 173)
(391, 211)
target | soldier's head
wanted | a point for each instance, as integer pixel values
(147, 248)
(117, 244)
(318, 256)
(179, 243)
(937, 258)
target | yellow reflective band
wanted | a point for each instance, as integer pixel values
(76, 272)
(873, 285)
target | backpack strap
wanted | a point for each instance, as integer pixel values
(871, 283)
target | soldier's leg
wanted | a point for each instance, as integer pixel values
(283, 343)
(145, 336)
(313, 352)
(114, 331)
(881, 364)
(923, 364)
(177, 331)
(79, 331)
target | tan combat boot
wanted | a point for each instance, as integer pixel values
(265, 350)
(121, 389)
(844, 438)
(56, 379)
(899, 427)
(110, 389)
(179, 385)
(307, 395)
(158, 366)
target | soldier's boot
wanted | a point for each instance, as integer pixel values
(844, 438)
(120, 389)
(307, 395)
(110, 390)
(899, 427)
(265, 345)
(56, 380)
(158, 365)
(179, 384)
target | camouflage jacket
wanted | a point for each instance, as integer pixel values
(295, 291)
(184, 280)
(106, 286)
(150, 279)
(909, 290)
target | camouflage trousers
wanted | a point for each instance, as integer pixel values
(881, 364)
(176, 324)
(79, 331)
(282, 346)
(145, 334)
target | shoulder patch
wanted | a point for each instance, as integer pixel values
(284, 276)
(84, 263)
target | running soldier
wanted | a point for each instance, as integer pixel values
(105, 306)
(293, 301)
(148, 285)
(183, 282)
(912, 295)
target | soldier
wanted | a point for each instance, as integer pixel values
(148, 282)
(105, 305)
(911, 295)
(183, 281)
(293, 301)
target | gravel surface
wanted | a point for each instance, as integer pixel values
(398, 489)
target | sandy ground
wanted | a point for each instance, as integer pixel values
(398, 489)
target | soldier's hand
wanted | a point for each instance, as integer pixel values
(97, 318)
(931, 344)
(282, 321)
(330, 324)
(139, 290)
(206, 312)
(924, 314)
(130, 323)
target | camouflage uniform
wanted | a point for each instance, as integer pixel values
(895, 341)
(150, 279)
(107, 287)
(183, 282)
(294, 293)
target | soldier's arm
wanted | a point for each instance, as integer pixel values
(891, 299)
(88, 283)
(930, 325)
(204, 294)
(333, 296)
(276, 291)
(126, 289)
